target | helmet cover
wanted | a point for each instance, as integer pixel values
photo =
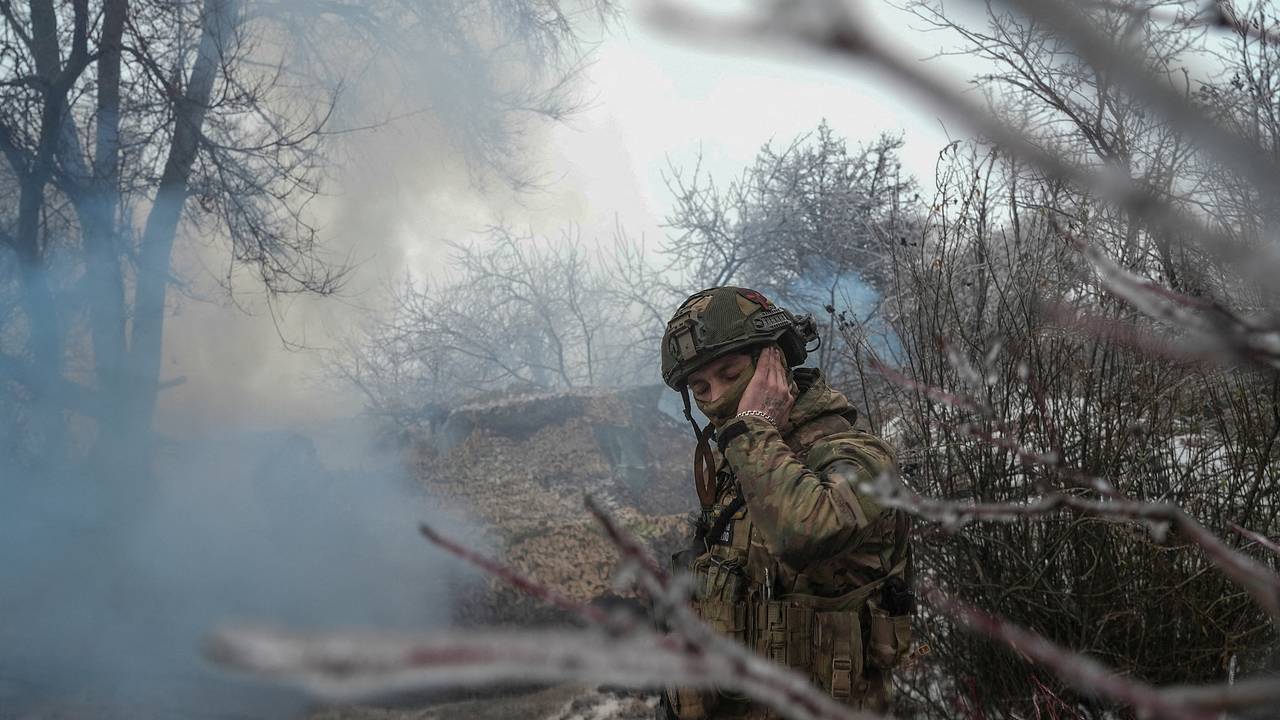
(719, 321)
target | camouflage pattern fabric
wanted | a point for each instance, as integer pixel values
(803, 559)
(802, 492)
(717, 321)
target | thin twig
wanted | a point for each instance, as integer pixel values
(1259, 538)
(515, 579)
(1078, 670)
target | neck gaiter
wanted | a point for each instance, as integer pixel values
(722, 409)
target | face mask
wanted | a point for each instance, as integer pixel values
(723, 408)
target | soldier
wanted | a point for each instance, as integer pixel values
(789, 557)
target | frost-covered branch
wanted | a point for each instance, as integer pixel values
(1262, 584)
(1213, 329)
(835, 28)
(347, 667)
(1259, 538)
(1093, 678)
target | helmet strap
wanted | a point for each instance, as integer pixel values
(704, 464)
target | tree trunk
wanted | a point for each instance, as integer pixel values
(219, 23)
(44, 342)
(102, 235)
(104, 278)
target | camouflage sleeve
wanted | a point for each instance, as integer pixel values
(806, 511)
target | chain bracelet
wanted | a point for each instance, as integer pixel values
(760, 414)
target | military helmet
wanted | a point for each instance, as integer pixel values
(718, 321)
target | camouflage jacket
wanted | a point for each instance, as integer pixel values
(811, 527)
(801, 547)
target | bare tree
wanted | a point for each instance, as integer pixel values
(129, 125)
(800, 224)
(804, 224)
(509, 312)
(807, 209)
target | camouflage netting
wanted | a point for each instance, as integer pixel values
(521, 464)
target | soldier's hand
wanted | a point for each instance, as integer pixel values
(769, 391)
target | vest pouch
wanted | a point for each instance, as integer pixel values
(688, 703)
(692, 703)
(720, 584)
(783, 632)
(728, 618)
(837, 655)
(890, 637)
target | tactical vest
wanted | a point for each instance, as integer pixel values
(845, 642)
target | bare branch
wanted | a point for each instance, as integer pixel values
(1262, 584)
(1084, 674)
(344, 668)
(1259, 538)
(832, 27)
(515, 579)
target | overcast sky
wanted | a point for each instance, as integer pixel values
(652, 99)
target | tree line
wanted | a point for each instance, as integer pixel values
(129, 128)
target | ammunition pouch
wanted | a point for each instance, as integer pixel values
(890, 637)
(845, 644)
(719, 582)
(783, 632)
(890, 616)
(838, 658)
(838, 642)
(826, 637)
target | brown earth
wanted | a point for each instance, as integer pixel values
(520, 465)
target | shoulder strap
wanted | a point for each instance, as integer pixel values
(722, 520)
(704, 464)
